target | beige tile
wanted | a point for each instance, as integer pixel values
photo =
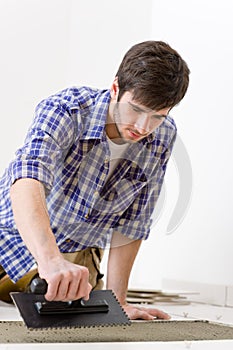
(202, 292)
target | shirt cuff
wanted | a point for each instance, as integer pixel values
(135, 230)
(31, 169)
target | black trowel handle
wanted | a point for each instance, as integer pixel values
(38, 286)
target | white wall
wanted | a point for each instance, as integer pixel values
(49, 44)
(101, 32)
(34, 44)
(201, 247)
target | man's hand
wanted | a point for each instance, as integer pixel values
(144, 313)
(66, 281)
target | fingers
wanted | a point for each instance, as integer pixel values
(155, 313)
(142, 313)
(137, 314)
(68, 286)
(86, 297)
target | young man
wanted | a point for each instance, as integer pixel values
(88, 177)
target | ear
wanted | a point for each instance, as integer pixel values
(114, 90)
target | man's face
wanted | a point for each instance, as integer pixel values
(134, 121)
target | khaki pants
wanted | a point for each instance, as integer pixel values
(90, 257)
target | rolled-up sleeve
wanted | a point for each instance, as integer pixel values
(46, 143)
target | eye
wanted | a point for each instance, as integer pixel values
(158, 117)
(136, 109)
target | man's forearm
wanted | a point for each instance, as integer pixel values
(120, 262)
(32, 220)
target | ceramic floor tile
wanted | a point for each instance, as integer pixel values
(201, 312)
(197, 345)
(9, 312)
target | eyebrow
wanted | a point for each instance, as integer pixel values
(140, 109)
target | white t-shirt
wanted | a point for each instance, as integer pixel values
(117, 152)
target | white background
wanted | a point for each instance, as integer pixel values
(47, 45)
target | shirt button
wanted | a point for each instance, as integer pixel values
(96, 193)
(102, 177)
(86, 216)
(68, 240)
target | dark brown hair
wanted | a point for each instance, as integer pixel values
(155, 74)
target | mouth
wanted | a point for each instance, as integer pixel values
(134, 135)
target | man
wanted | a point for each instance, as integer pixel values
(88, 177)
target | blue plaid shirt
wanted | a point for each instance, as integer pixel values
(66, 149)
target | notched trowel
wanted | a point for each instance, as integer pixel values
(102, 309)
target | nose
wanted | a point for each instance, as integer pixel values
(143, 124)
